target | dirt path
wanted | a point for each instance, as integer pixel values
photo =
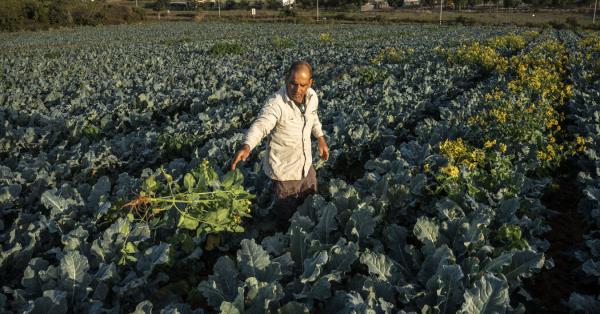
(553, 286)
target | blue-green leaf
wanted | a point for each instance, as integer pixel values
(379, 264)
(312, 266)
(488, 296)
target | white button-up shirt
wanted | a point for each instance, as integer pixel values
(289, 150)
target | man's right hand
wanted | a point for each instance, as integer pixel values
(241, 154)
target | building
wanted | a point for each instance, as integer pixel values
(375, 5)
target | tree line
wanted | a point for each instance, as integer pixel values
(456, 4)
(41, 14)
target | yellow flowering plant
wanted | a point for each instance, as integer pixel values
(326, 38)
(590, 47)
(527, 112)
(392, 56)
(471, 170)
(508, 43)
(477, 54)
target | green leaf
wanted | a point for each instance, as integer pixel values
(342, 255)
(293, 308)
(497, 264)
(55, 203)
(326, 223)
(584, 303)
(276, 244)
(298, 245)
(223, 285)
(229, 308)
(378, 264)
(73, 267)
(523, 264)
(150, 184)
(320, 290)
(261, 295)
(427, 231)
(395, 239)
(312, 266)
(189, 182)
(52, 301)
(144, 307)
(130, 248)
(489, 295)
(156, 255)
(448, 288)
(438, 258)
(187, 223)
(360, 225)
(73, 273)
(254, 261)
(232, 178)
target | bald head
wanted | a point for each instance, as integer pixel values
(300, 65)
(298, 81)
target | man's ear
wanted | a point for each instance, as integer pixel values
(310, 82)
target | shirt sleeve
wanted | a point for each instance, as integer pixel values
(264, 123)
(317, 130)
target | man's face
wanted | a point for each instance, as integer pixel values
(297, 84)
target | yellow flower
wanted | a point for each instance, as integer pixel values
(551, 151)
(451, 171)
(489, 144)
(502, 147)
(569, 90)
(426, 168)
(325, 37)
(453, 149)
(500, 115)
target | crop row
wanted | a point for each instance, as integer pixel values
(584, 111)
(444, 222)
(441, 150)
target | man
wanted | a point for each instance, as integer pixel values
(291, 115)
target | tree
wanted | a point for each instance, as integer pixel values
(511, 3)
(461, 4)
(161, 5)
(306, 3)
(396, 3)
(428, 3)
(472, 3)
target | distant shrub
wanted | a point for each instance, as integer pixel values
(557, 25)
(199, 17)
(370, 74)
(288, 12)
(282, 42)
(52, 55)
(571, 21)
(345, 17)
(58, 15)
(225, 48)
(84, 16)
(464, 20)
(11, 17)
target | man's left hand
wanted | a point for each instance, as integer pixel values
(323, 148)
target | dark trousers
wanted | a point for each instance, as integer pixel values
(290, 194)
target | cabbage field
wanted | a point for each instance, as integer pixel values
(455, 155)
